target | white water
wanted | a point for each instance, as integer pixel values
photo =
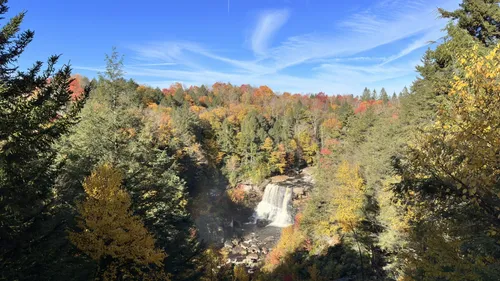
(276, 206)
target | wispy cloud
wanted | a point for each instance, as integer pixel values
(340, 60)
(268, 23)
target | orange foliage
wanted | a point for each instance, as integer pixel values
(76, 87)
(237, 195)
(290, 240)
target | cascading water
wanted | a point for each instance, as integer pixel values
(276, 206)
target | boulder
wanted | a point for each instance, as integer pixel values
(252, 257)
(268, 239)
(239, 250)
(298, 192)
(254, 249)
(239, 260)
(245, 245)
(261, 222)
(228, 244)
(231, 258)
(247, 187)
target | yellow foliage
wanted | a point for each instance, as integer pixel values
(309, 146)
(267, 145)
(463, 144)
(277, 159)
(348, 197)
(109, 231)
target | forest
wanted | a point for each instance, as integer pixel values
(107, 179)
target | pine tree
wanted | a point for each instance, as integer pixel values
(481, 19)
(374, 95)
(394, 97)
(404, 92)
(35, 111)
(384, 96)
(366, 95)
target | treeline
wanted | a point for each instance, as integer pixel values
(98, 178)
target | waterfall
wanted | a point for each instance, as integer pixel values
(276, 205)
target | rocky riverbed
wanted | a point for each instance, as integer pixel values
(251, 248)
(254, 239)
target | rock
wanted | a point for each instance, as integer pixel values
(247, 187)
(239, 250)
(262, 186)
(254, 249)
(268, 239)
(252, 257)
(298, 191)
(281, 178)
(235, 241)
(245, 245)
(264, 251)
(228, 244)
(261, 222)
(232, 257)
(239, 260)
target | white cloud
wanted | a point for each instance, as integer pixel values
(428, 37)
(333, 62)
(268, 23)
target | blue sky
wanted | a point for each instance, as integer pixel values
(305, 46)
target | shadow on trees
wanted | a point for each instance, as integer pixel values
(339, 262)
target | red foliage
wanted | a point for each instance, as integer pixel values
(76, 87)
(362, 107)
(322, 97)
(325, 151)
(171, 90)
(245, 88)
(237, 194)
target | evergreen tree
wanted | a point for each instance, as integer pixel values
(480, 18)
(394, 97)
(374, 95)
(404, 92)
(366, 95)
(35, 110)
(384, 96)
(116, 129)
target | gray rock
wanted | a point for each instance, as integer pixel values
(252, 257)
(298, 191)
(239, 250)
(254, 249)
(228, 244)
(239, 260)
(268, 239)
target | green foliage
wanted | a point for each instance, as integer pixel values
(36, 110)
